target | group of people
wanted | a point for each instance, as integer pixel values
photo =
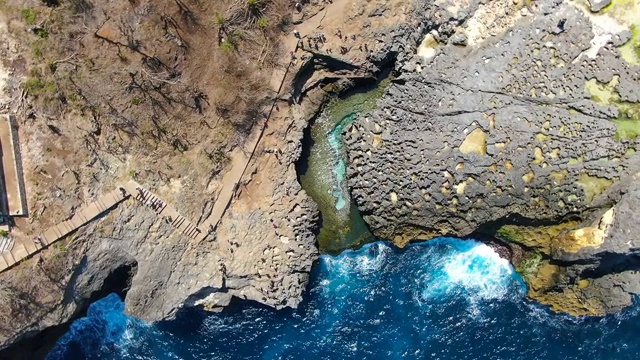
(316, 41)
(156, 204)
(298, 5)
(319, 40)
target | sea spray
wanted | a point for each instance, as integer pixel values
(105, 327)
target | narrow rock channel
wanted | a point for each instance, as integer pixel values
(322, 168)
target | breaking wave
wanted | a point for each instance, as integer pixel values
(471, 270)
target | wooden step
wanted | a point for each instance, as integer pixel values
(5, 243)
(30, 246)
(3, 263)
(8, 257)
(19, 252)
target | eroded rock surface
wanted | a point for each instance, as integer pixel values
(504, 130)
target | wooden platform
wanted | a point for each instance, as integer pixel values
(12, 252)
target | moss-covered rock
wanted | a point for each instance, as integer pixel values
(528, 266)
(538, 238)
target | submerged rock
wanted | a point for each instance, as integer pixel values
(507, 131)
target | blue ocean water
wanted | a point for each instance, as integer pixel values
(444, 299)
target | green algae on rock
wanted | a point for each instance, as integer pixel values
(528, 266)
(628, 12)
(628, 120)
(538, 238)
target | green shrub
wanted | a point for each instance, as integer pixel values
(50, 87)
(37, 85)
(231, 42)
(29, 16)
(4, 233)
(42, 33)
(33, 84)
(219, 20)
(227, 47)
(72, 97)
(60, 247)
(262, 23)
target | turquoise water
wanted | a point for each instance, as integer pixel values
(323, 171)
(340, 191)
(443, 299)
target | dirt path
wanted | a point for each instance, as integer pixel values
(239, 161)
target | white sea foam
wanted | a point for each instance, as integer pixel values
(475, 272)
(480, 271)
(361, 262)
(128, 339)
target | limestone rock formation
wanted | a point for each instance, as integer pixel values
(533, 122)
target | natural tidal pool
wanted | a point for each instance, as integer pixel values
(442, 299)
(322, 169)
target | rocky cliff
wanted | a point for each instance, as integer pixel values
(259, 252)
(508, 116)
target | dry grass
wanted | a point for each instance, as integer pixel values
(147, 73)
(137, 87)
